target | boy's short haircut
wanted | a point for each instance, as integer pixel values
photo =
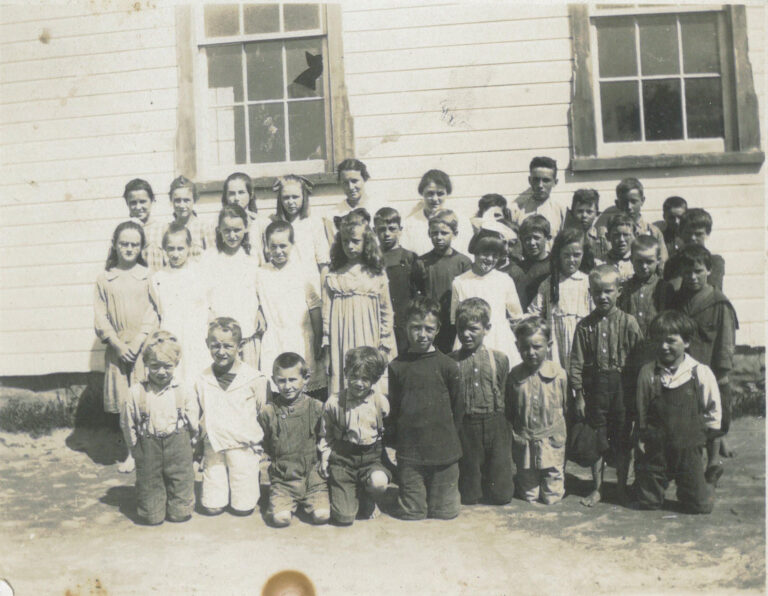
(471, 310)
(175, 228)
(543, 162)
(353, 165)
(535, 223)
(138, 184)
(289, 360)
(447, 218)
(366, 362)
(487, 241)
(674, 203)
(278, 226)
(421, 307)
(646, 242)
(532, 325)
(695, 254)
(628, 184)
(672, 322)
(439, 177)
(162, 344)
(387, 215)
(586, 196)
(604, 271)
(226, 324)
(184, 182)
(620, 219)
(697, 218)
(490, 200)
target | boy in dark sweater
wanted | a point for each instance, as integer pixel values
(399, 265)
(674, 209)
(485, 469)
(714, 342)
(434, 272)
(534, 266)
(426, 411)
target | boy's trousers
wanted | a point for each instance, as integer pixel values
(165, 478)
(546, 484)
(685, 466)
(350, 466)
(429, 491)
(230, 477)
(485, 469)
(295, 480)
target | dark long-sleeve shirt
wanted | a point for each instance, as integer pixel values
(601, 343)
(481, 390)
(645, 299)
(426, 408)
(528, 276)
(673, 273)
(399, 266)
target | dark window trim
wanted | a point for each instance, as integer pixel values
(186, 133)
(744, 147)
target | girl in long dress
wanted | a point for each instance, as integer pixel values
(357, 310)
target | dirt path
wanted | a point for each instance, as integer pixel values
(65, 525)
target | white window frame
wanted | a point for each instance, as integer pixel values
(211, 171)
(655, 147)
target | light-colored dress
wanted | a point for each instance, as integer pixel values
(574, 304)
(499, 291)
(357, 311)
(286, 296)
(124, 307)
(231, 288)
(183, 304)
(340, 209)
(309, 243)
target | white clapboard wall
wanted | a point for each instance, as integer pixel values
(88, 100)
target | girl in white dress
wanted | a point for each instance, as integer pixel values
(238, 190)
(563, 298)
(183, 303)
(230, 275)
(484, 281)
(291, 303)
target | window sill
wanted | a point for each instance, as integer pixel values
(686, 160)
(266, 183)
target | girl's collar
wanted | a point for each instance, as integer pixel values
(139, 272)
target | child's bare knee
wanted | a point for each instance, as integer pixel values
(321, 516)
(377, 482)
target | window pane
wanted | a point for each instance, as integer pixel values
(267, 132)
(225, 74)
(307, 129)
(704, 108)
(264, 61)
(616, 48)
(301, 16)
(700, 53)
(658, 45)
(305, 68)
(621, 111)
(663, 110)
(221, 19)
(261, 18)
(226, 134)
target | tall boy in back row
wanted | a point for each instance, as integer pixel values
(714, 342)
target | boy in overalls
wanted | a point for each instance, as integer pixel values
(158, 418)
(678, 406)
(292, 430)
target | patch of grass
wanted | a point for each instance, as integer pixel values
(37, 417)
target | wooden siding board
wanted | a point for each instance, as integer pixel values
(16, 299)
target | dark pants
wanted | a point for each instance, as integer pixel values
(350, 467)
(429, 491)
(655, 468)
(165, 478)
(485, 469)
(605, 411)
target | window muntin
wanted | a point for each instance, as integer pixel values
(264, 83)
(660, 78)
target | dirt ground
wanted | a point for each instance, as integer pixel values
(66, 527)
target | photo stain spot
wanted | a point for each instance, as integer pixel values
(288, 583)
(45, 36)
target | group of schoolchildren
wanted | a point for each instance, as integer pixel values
(326, 357)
